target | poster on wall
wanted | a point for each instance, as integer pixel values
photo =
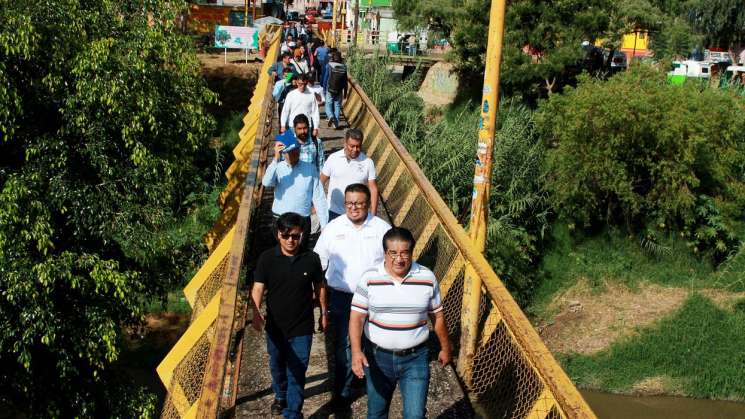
(236, 37)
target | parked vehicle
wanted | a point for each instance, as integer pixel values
(735, 74)
(689, 69)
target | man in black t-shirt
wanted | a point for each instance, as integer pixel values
(292, 278)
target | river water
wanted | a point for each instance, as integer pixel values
(615, 406)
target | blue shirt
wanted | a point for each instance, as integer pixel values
(295, 188)
(279, 67)
(322, 55)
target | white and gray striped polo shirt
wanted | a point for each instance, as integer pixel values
(397, 312)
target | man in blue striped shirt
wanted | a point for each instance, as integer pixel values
(296, 185)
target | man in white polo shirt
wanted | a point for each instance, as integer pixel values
(391, 303)
(347, 247)
(345, 167)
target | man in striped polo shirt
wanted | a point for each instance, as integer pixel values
(391, 303)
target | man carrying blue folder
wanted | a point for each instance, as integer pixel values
(296, 183)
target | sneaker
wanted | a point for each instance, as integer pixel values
(336, 124)
(278, 406)
(331, 121)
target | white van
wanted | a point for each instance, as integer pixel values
(689, 69)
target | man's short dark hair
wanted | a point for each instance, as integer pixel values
(398, 234)
(303, 77)
(287, 70)
(288, 221)
(285, 55)
(300, 119)
(359, 188)
(353, 133)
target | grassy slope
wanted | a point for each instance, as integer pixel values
(699, 349)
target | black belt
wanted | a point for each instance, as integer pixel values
(402, 352)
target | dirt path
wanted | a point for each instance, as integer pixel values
(446, 398)
(232, 81)
(589, 321)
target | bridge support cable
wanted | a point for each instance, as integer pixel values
(512, 373)
(197, 371)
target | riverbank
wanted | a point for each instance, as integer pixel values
(623, 321)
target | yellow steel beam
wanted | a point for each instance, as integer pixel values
(187, 341)
(214, 376)
(481, 186)
(191, 289)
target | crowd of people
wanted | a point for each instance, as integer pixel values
(374, 299)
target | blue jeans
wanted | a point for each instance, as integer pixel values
(340, 303)
(288, 361)
(333, 215)
(333, 106)
(410, 371)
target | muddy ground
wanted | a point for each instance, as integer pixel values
(233, 81)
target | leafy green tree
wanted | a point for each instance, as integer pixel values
(102, 119)
(637, 152)
(721, 22)
(542, 38)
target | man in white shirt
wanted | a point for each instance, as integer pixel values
(392, 303)
(347, 247)
(345, 167)
(300, 101)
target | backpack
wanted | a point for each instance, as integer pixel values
(337, 78)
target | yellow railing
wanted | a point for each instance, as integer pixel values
(513, 374)
(199, 371)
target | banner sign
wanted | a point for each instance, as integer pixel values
(238, 37)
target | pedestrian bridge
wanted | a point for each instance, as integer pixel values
(511, 374)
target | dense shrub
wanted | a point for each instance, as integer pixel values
(102, 122)
(637, 152)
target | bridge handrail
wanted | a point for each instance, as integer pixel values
(195, 370)
(569, 402)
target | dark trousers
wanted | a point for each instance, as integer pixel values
(288, 362)
(340, 303)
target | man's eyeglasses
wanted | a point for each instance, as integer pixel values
(355, 204)
(296, 236)
(402, 256)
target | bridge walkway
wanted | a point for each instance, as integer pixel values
(254, 398)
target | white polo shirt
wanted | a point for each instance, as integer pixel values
(343, 172)
(397, 311)
(346, 251)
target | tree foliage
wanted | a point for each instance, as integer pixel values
(638, 152)
(102, 117)
(542, 41)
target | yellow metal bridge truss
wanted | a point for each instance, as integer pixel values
(513, 375)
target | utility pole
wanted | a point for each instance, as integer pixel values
(333, 25)
(481, 187)
(356, 20)
(253, 13)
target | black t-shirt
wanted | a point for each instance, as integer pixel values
(289, 281)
